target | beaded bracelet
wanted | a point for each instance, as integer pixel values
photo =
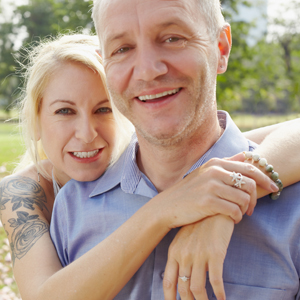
(269, 169)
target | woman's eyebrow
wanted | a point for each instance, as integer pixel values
(73, 103)
(63, 101)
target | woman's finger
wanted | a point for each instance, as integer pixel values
(170, 279)
(215, 267)
(184, 283)
(242, 191)
(245, 169)
(237, 157)
(198, 281)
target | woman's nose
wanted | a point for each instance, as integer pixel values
(86, 130)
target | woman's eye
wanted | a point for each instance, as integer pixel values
(104, 110)
(63, 111)
(172, 39)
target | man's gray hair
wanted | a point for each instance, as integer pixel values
(209, 9)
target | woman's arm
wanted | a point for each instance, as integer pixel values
(259, 134)
(281, 149)
(103, 271)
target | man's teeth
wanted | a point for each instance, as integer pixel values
(86, 154)
(151, 97)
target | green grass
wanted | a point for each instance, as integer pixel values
(12, 114)
(247, 122)
(11, 147)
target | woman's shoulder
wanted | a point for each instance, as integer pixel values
(25, 210)
(26, 190)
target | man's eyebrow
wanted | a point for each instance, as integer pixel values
(118, 36)
(121, 35)
(169, 24)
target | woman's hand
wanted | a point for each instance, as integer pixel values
(209, 190)
(196, 249)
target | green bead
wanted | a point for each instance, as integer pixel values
(279, 184)
(269, 168)
(274, 196)
(274, 176)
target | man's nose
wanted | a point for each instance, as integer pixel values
(86, 130)
(149, 63)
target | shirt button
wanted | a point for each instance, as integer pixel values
(162, 275)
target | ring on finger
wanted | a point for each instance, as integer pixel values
(238, 179)
(184, 278)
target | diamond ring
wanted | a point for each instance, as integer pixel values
(184, 278)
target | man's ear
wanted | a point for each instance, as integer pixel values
(225, 44)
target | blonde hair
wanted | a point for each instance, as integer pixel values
(44, 60)
(209, 9)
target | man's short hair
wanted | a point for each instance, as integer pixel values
(210, 9)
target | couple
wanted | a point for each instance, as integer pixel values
(161, 59)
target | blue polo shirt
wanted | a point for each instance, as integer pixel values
(263, 258)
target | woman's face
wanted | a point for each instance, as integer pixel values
(76, 124)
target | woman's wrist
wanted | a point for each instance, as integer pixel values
(268, 169)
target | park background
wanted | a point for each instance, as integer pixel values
(260, 87)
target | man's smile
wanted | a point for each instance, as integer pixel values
(144, 98)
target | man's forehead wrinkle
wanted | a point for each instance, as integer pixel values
(114, 12)
(174, 8)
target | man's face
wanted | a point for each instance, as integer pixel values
(161, 66)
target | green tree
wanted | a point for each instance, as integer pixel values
(37, 19)
(230, 92)
(8, 80)
(42, 18)
(286, 34)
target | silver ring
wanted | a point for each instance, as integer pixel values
(238, 179)
(184, 278)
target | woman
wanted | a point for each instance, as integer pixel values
(71, 121)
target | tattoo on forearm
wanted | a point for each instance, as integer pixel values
(28, 230)
(22, 191)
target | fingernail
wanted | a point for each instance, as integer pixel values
(250, 212)
(274, 187)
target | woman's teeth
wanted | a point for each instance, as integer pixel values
(86, 154)
(151, 97)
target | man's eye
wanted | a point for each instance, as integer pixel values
(172, 39)
(63, 111)
(104, 110)
(122, 50)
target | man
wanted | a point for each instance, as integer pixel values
(161, 59)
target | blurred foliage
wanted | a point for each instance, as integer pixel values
(32, 22)
(260, 78)
(264, 77)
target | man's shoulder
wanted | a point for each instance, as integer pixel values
(287, 204)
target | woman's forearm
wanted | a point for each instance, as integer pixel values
(281, 149)
(259, 134)
(103, 271)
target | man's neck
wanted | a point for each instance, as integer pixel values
(166, 165)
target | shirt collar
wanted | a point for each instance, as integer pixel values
(126, 173)
(230, 142)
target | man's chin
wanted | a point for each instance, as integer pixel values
(161, 139)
